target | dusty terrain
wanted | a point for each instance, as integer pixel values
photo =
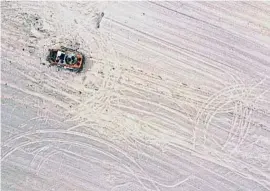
(174, 96)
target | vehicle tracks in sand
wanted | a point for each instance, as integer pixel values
(167, 101)
(57, 139)
(229, 93)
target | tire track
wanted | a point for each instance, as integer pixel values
(72, 133)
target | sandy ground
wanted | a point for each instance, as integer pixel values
(174, 96)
